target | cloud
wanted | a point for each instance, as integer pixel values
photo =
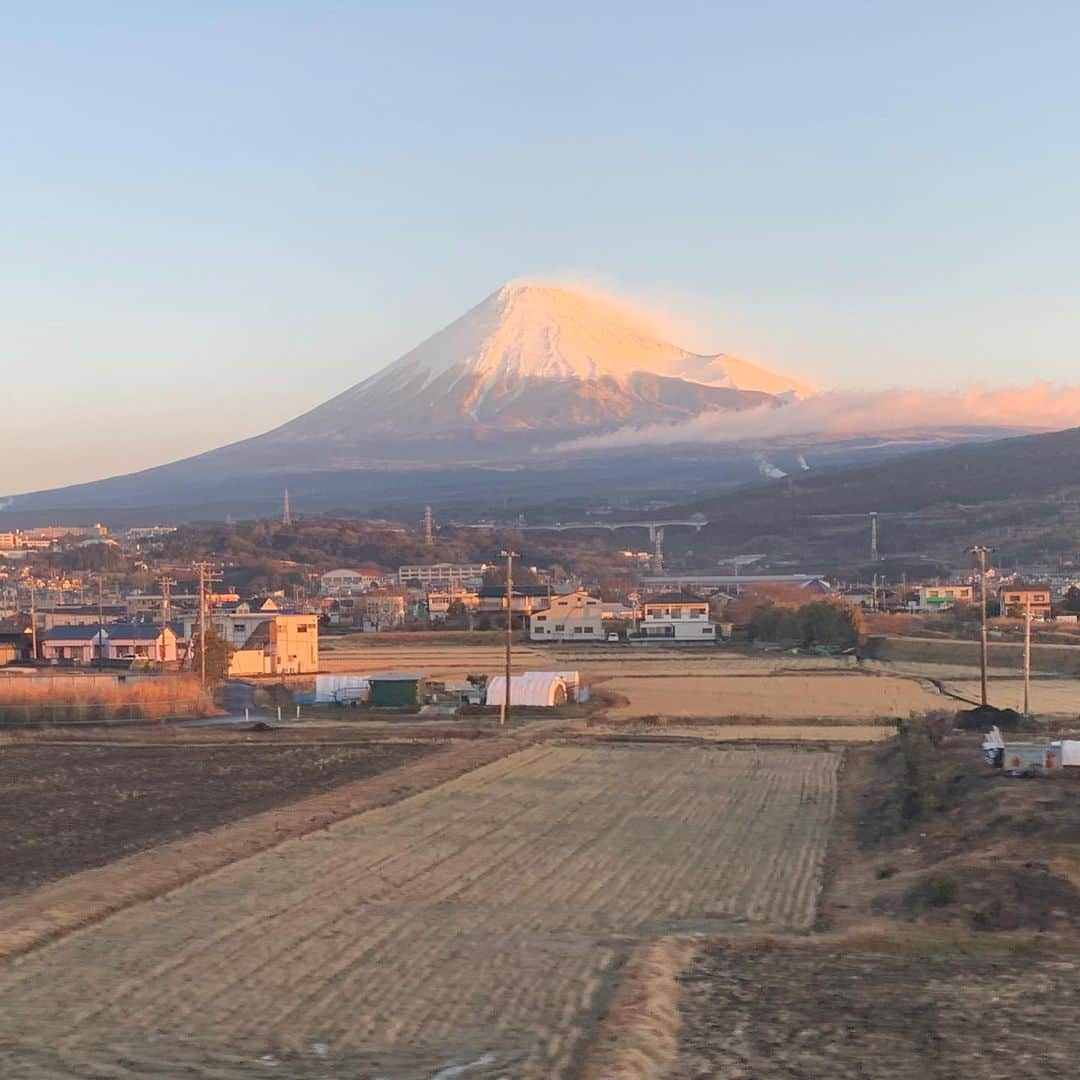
(1040, 406)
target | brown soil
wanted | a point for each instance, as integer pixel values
(471, 929)
(809, 1012)
(69, 806)
(972, 849)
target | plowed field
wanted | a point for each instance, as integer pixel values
(474, 928)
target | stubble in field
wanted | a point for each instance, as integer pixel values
(480, 922)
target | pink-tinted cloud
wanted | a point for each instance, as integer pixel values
(1037, 407)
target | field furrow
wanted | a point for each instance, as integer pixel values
(475, 923)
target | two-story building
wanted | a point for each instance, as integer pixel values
(574, 617)
(676, 617)
(1017, 599)
(943, 597)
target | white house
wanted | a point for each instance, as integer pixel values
(574, 617)
(677, 617)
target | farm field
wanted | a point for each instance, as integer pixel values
(825, 696)
(70, 804)
(780, 1012)
(1051, 697)
(479, 923)
(791, 731)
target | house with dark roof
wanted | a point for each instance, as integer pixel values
(119, 641)
(140, 641)
(15, 643)
(73, 644)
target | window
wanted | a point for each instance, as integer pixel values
(588, 629)
(238, 627)
(541, 618)
(559, 627)
(706, 629)
(579, 630)
(302, 628)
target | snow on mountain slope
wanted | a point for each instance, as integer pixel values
(534, 357)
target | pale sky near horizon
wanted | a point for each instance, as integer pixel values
(217, 215)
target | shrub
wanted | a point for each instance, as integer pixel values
(940, 890)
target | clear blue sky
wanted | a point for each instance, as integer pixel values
(216, 215)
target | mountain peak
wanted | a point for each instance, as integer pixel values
(526, 330)
(541, 358)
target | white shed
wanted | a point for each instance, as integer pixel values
(544, 689)
(340, 688)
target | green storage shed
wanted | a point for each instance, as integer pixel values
(395, 690)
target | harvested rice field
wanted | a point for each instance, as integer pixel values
(475, 929)
(815, 696)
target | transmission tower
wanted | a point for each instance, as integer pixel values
(286, 513)
(429, 528)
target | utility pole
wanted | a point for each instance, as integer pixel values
(504, 712)
(1027, 657)
(206, 575)
(166, 599)
(33, 620)
(980, 552)
(101, 619)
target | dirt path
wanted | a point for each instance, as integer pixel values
(476, 924)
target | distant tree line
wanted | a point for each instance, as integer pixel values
(822, 622)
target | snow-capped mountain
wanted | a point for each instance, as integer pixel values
(541, 357)
(529, 367)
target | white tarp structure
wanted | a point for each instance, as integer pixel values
(572, 679)
(1070, 750)
(331, 689)
(544, 689)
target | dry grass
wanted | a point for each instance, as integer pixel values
(639, 1038)
(149, 699)
(480, 919)
(826, 696)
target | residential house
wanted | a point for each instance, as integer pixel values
(524, 600)
(140, 641)
(80, 644)
(279, 645)
(268, 642)
(677, 617)
(78, 615)
(16, 643)
(574, 617)
(441, 599)
(942, 597)
(382, 609)
(1020, 597)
